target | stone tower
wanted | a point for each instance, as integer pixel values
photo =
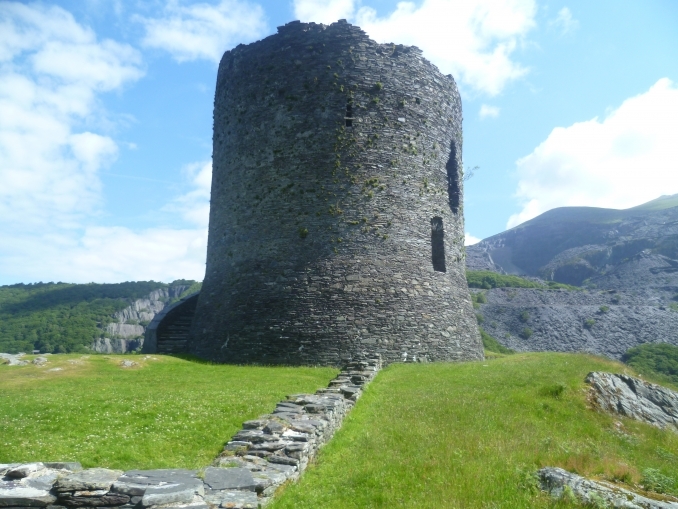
(336, 221)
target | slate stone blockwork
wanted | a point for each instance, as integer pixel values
(336, 221)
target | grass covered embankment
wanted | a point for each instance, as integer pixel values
(164, 413)
(470, 436)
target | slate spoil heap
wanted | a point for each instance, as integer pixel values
(267, 452)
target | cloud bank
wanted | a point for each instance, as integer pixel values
(53, 145)
(473, 40)
(627, 158)
(202, 30)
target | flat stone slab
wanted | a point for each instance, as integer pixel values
(160, 487)
(91, 479)
(170, 494)
(555, 480)
(196, 503)
(13, 494)
(42, 480)
(135, 482)
(635, 398)
(73, 466)
(24, 470)
(234, 499)
(229, 479)
(99, 498)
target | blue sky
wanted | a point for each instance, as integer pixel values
(106, 116)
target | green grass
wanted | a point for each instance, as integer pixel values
(165, 413)
(490, 344)
(487, 279)
(471, 435)
(661, 203)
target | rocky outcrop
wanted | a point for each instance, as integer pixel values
(143, 310)
(12, 359)
(117, 345)
(126, 332)
(631, 397)
(560, 483)
(600, 322)
(264, 454)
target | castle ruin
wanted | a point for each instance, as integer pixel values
(336, 220)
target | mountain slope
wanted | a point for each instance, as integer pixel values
(577, 244)
(625, 260)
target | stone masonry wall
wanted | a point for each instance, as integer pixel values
(336, 221)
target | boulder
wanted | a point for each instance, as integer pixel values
(558, 482)
(632, 397)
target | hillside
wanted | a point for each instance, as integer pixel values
(577, 245)
(64, 317)
(625, 263)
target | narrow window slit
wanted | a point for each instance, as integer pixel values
(438, 244)
(453, 182)
(349, 113)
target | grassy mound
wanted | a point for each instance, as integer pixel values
(487, 279)
(164, 413)
(490, 344)
(471, 435)
(658, 359)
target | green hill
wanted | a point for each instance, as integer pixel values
(574, 244)
(661, 203)
(63, 317)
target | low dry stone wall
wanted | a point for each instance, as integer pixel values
(264, 454)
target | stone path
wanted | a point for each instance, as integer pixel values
(264, 454)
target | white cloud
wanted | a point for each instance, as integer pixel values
(565, 22)
(469, 239)
(52, 73)
(107, 254)
(623, 160)
(113, 254)
(323, 11)
(473, 40)
(194, 206)
(203, 31)
(488, 111)
(51, 70)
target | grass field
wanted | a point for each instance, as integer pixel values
(471, 435)
(163, 413)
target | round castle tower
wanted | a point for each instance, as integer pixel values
(336, 220)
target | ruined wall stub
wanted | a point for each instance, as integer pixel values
(336, 222)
